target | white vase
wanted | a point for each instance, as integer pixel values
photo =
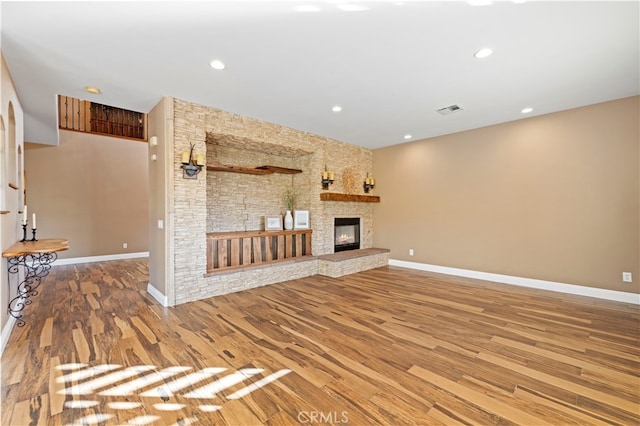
(288, 221)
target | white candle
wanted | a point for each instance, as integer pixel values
(24, 215)
(34, 222)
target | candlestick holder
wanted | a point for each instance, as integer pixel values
(24, 232)
(33, 230)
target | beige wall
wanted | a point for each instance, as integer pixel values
(11, 165)
(160, 120)
(92, 190)
(554, 197)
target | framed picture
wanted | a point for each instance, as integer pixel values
(273, 223)
(301, 219)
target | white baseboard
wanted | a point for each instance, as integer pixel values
(88, 259)
(6, 333)
(155, 293)
(600, 293)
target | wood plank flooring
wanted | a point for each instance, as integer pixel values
(389, 346)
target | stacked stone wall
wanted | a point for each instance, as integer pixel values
(222, 201)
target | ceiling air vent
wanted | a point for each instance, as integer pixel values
(449, 110)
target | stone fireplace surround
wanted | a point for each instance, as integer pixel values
(220, 201)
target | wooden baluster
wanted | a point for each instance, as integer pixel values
(246, 251)
(66, 107)
(288, 246)
(307, 245)
(235, 252)
(298, 247)
(81, 117)
(211, 248)
(269, 248)
(222, 254)
(74, 107)
(130, 132)
(257, 248)
(280, 252)
(109, 115)
(121, 122)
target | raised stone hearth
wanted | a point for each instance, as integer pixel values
(349, 262)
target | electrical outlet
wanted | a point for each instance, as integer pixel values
(410, 252)
(626, 277)
(124, 245)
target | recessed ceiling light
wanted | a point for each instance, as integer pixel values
(526, 110)
(92, 89)
(336, 108)
(350, 7)
(217, 64)
(408, 136)
(307, 8)
(483, 53)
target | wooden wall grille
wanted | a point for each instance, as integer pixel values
(227, 250)
(91, 117)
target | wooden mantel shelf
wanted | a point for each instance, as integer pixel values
(333, 196)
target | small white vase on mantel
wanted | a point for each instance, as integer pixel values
(288, 221)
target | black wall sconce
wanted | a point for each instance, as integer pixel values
(327, 178)
(191, 166)
(369, 184)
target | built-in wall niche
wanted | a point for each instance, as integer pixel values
(246, 181)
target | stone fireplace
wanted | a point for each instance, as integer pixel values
(346, 234)
(228, 199)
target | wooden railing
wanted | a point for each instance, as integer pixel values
(91, 117)
(227, 250)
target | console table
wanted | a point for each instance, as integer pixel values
(36, 258)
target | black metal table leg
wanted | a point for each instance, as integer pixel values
(36, 266)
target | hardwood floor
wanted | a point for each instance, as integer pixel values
(387, 346)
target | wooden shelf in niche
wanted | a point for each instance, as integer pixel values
(333, 196)
(238, 169)
(262, 170)
(277, 169)
(5, 211)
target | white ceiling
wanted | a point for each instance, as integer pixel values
(390, 66)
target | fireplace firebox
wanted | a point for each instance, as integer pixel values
(346, 233)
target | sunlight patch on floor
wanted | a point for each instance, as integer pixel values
(147, 382)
